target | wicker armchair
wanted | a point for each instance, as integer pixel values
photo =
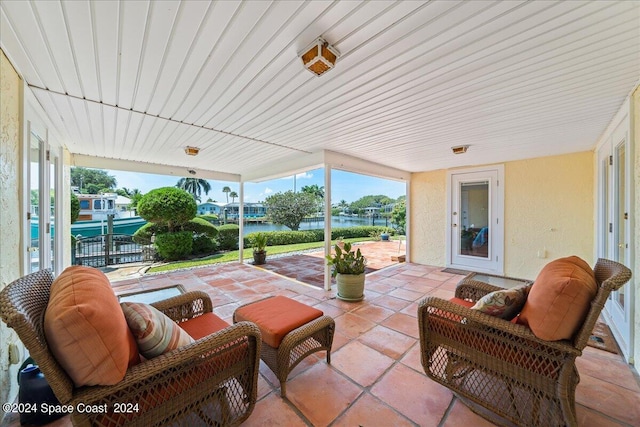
(212, 381)
(500, 369)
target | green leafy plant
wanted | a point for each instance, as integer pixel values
(346, 261)
(259, 242)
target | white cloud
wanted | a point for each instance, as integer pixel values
(301, 175)
(267, 191)
(304, 175)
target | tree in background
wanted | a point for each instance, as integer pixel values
(364, 202)
(169, 210)
(168, 206)
(226, 190)
(75, 208)
(290, 208)
(233, 196)
(92, 181)
(399, 215)
(194, 186)
(314, 189)
(318, 194)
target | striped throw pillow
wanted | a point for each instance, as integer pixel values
(155, 333)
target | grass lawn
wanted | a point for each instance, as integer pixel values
(248, 254)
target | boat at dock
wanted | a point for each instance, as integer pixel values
(94, 217)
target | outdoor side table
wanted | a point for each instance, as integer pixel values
(490, 279)
(290, 332)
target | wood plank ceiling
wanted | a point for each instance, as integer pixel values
(141, 80)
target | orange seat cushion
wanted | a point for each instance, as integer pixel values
(559, 299)
(276, 317)
(201, 326)
(86, 329)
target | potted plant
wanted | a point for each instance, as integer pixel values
(259, 243)
(385, 234)
(466, 239)
(348, 269)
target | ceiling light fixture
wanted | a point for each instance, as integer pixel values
(192, 151)
(460, 149)
(319, 57)
(191, 171)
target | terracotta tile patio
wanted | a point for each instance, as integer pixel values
(375, 377)
(309, 267)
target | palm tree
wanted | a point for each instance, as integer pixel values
(233, 196)
(226, 190)
(195, 186)
(314, 189)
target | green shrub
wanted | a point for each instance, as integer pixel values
(174, 246)
(228, 236)
(359, 231)
(144, 233)
(212, 218)
(203, 245)
(168, 206)
(201, 226)
(277, 238)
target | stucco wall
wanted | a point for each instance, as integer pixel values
(10, 104)
(548, 206)
(428, 217)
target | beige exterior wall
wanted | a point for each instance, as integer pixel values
(548, 207)
(428, 217)
(10, 137)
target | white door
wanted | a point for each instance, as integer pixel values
(614, 232)
(42, 247)
(475, 238)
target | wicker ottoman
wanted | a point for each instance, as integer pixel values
(290, 332)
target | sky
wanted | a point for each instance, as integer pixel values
(345, 185)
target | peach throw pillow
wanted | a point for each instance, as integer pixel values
(559, 299)
(86, 330)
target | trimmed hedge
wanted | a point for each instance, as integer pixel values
(228, 237)
(174, 246)
(277, 238)
(203, 245)
(201, 226)
(212, 218)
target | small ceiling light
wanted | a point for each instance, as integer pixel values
(192, 151)
(460, 149)
(191, 171)
(319, 57)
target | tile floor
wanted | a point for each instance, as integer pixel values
(375, 378)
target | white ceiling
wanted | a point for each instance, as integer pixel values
(141, 80)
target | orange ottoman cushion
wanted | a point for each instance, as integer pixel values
(86, 329)
(559, 299)
(276, 317)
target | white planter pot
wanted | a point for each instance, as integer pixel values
(350, 287)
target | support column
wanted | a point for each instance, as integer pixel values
(241, 224)
(327, 224)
